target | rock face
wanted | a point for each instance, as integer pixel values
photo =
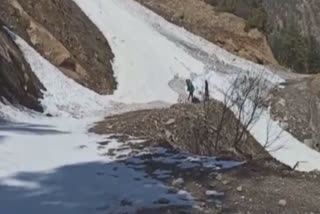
(64, 35)
(224, 29)
(18, 84)
(297, 23)
(304, 14)
(279, 14)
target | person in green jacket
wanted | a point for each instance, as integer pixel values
(190, 89)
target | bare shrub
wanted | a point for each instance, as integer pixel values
(242, 106)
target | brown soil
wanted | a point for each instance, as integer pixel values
(266, 187)
(63, 34)
(255, 187)
(186, 126)
(224, 29)
(258, 188)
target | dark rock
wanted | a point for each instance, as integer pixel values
(104, 143)
(18, 84)
(68, 27)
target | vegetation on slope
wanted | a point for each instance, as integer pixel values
(291, 48)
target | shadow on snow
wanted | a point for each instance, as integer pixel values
(94, 187)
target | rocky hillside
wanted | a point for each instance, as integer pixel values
(64, 35)
(294, 33)
(18, 83)
(291, 26)
(224, 29)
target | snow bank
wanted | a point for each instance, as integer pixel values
(63, 97)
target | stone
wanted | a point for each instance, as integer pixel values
(225, 182)
(214, 193)
(178, 182)
(282, 202)
(82, 147)
(170, 122)
(168, 134)
(219, 177)
(239, 188)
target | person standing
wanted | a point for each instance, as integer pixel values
(190, 89)
(206, 91)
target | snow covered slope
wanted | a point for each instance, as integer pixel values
(149, 51)
(52, 165)
(145, 60)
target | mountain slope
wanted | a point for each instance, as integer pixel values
(52, 165)
(18, 84)
(224, 29)
(291, 26)
(61, 32)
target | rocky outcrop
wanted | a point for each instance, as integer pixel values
(64, 35)
(294, 33)
(18, 84)
(224, 29)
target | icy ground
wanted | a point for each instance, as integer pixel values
(52, 165)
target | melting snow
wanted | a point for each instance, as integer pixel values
(52, 165)
(159, 47)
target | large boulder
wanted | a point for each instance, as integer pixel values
(18, 84)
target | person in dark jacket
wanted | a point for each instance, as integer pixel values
(206, 91)
(190, 89)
